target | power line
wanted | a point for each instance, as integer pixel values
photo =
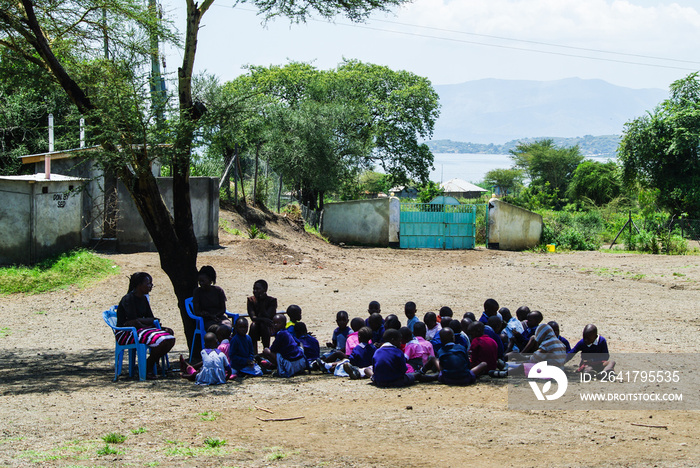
(510, 47)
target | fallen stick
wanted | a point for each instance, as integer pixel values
(264, 409)
(280, 419)
(649, 425)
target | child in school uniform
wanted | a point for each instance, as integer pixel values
(215, 368)
(223, 334)
(432, 325)
(484, 348)
(309, 343)
(340, 334)
(389, 363)
(353, 340)
(595, 356)
(285, 352)
(376, 323)
(453, 362)
(445, 316)
(490, 309)
(241, 350)
(411, 349)
(410, 311)
(555, 328)
(293, 316)
(419, 330)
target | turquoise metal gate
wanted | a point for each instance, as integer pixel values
(436, 226)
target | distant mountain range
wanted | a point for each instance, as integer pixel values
(596, 146)
(499, 111)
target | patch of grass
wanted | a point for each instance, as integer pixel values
(279, 454)
(179, 449)
(107, 450)
(209, 415)
(40, 312)
(678, 274)
(315, 232)
(152, 463)
(214, 442)
(5, 331)
(80, 267)
(223, 224)
(140, 430)
(114, 438)
(35, 456)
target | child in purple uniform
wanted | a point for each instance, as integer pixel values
(555, 328)
(312, 349)
(594, 352)
(454, 362)
(241, 351)
(285, 352)
(389, 363)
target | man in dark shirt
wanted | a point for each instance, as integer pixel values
(261, 309)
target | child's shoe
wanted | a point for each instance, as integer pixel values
(352, 371)
(498, 374)
(265, 364)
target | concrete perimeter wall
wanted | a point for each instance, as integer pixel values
(512, 227)
(38, 220)
(362, 222)
(132, 234)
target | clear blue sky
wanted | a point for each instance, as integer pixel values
(452, 41)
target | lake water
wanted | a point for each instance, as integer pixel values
(472, 167)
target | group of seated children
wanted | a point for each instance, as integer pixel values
(442, 348)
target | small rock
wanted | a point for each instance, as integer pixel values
(411, 407)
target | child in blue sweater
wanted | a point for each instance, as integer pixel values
(241, 350)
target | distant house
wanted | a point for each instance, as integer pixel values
(402, 191)
(459, 188)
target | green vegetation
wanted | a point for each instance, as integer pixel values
(226, 227)
(209, 415)
(214, 442)
(80, 267)
(114, 438)
(313, 230)
(254, 232)
(180, 449)
(140, 430)
(107, 450)
(5, 331)
(659, 151)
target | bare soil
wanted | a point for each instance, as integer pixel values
(56, 364)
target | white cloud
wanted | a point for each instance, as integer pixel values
(622, 24)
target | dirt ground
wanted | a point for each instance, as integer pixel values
(56, 364)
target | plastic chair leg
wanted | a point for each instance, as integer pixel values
(142, 362)
(118, 358)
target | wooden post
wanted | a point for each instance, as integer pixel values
(279, 194)
(255, 175)
(235, 175)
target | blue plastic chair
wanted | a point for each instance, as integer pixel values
(199, 324)
(135, 349)
(110, 318)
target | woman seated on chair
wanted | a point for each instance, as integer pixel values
(134, 310)
(209, 300)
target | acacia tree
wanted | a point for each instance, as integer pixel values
(64, 38)
(660, 150)
(550, 168)
(506, 180)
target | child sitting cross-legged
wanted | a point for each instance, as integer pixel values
(285, 352)
(340, 335)
(215, 368)
(594, 352)
(389, 363)
(361, 356)
(241, 351)
(483, 348)
(312, 349)
(555, 329)
(453, 363)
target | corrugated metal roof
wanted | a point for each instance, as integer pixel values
(459, 185)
